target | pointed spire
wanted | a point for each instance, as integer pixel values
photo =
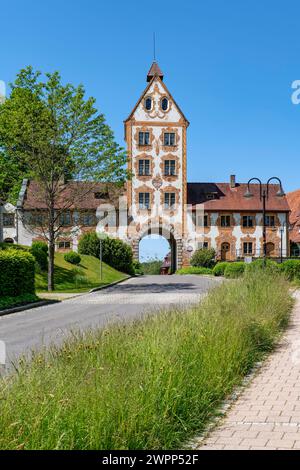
(154, 71)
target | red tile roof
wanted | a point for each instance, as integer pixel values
(232, 199)
(74, 195)
(294, 203)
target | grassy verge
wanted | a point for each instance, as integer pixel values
(146, 385)
(194, 270)
(81, 278)
(9, 302)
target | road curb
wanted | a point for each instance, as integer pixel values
(96, 289)
(20, 308)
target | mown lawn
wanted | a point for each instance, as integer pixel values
(81, 278)
(149, 384)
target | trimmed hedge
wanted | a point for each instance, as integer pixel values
(16, 273)
(291, 268)
(115, 252)
(234, 270)
(258, 265)
(220, 267)
(72, 257)
(194, 270)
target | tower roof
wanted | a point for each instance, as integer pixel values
(154, 71)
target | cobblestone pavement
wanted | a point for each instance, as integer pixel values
(267, 413)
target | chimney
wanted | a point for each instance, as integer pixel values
(232, 181)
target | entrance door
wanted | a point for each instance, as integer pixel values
(270, 248)
(225, 251)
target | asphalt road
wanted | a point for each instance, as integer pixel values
(37, 327)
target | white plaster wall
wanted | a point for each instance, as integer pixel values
(156, 115)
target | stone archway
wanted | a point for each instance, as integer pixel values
(174, 242)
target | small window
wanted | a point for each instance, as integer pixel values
(202, 245)
(248, 221)
(270, 220)
(169, 139)
(102, 195)
(144, 167)
(248, 248)
(170, 168)
(88, 219)
(148, 103)
(169, 200)
(8, 220)
(64, 245)
(202, 221)
(225, 221)
(144, 200)
(164, 104)
(144, 138)
(65, 218)
(210, 196)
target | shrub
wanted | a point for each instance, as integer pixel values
(194, 270)
(291, 268)
(40, 252)
(219, 269)
(204, 257)
(234, 270)
(115, 252)
(161, 379)
(16, 273)
(13, 246)
(259, 265)
(72, 257)
(138, 269)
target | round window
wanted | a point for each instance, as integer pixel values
(148, 103)
(164, 104)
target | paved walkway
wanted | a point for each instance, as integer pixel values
(267, 413)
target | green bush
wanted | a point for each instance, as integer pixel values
(115, 252)
(260, 264)
(16, 273)
(234, 270)
(291, 268)
(13, 246)
(137, 266)
(161, 379)
(40, 252)
(72, 257)
(219, 269)
(204, 257)
(194, 270)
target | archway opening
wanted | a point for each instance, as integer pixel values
(157, 254)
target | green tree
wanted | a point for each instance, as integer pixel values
(51, 132)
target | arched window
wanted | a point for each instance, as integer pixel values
(148, 103)
(164, 104)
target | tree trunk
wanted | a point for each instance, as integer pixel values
(51, 245)
(51, 264)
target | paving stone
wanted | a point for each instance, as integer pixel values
(267, 413)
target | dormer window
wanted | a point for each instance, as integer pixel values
(164, 104)
(148, 103)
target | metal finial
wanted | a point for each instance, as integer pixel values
(154, 52)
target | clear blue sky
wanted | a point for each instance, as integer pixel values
(229, 64)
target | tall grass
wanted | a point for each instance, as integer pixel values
(147, 385)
